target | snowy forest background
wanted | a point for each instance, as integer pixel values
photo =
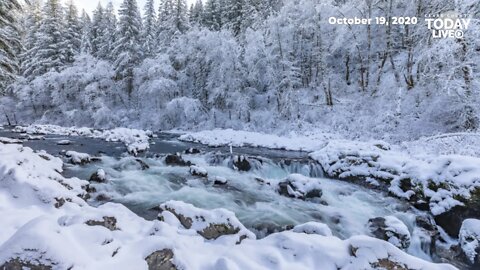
(262, 65)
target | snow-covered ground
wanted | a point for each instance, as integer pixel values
(239, 138)
(45, 221)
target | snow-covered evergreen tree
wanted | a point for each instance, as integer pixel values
(213, 15)
(180, 16)
(73, 32)
(86, 39)
(9, 42)
(172, 21)
(31, 25)
(50, 46)
(97, 30)
(149, 33)
(108, 33)
(128, 49)
(165, 23)
(196, 13)
(234, 15)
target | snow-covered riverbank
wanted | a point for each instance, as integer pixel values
(444, 185)
(46, 222)
(134, 139)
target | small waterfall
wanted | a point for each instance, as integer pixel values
(305, 167)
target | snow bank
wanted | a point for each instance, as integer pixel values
(9, 141)
(135, 140)
(239, 138)
(57, 130)
(467, 144)
(45, 222)
(470, 239)
(440, 182)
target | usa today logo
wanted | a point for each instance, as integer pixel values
(447, 25)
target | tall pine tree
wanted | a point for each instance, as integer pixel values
(108, 33)
(9, 43)
(50, 51)
(149, 33)
(128, 46)
(180, 15)
(196, 13)
(97, 30)
(86, 40)
(73, 32)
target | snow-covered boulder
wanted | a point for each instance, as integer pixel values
(107, 222)
(313, 228)
(198, 171)
(99, 176)
(300, 187)
(176, 160)
(161, 260)
(78, 158)
(211, 224)
(469, 238)
(241, 163)
(192, 151)
(64, 142)
(219, 181)
(390, 229)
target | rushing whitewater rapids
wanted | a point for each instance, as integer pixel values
(143, 183)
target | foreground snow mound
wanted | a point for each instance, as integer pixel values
(438, 183)
(313, 228)
(239, 138)
(135, 140)
(470, 240)
(218, 224)
(38, 231)
(25, 174)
